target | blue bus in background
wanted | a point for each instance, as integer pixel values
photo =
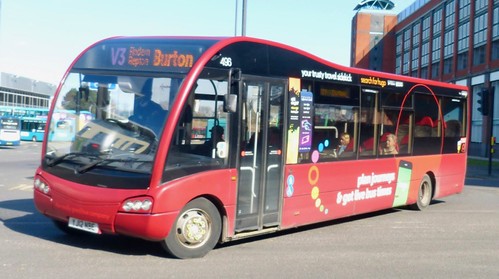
(10, 131)
(33, 128)
(23, 111)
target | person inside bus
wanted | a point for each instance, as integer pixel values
(146, 112)
(217, 135)
(390, 145)
(344, 142)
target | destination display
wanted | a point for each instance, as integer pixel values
(152, 55)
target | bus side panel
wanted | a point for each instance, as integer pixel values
(326, 191)
(218, 186)
(450, 179)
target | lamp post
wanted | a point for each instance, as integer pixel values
(243, 24)
(235, 19)
(243, 27)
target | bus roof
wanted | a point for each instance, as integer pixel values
(179, 55)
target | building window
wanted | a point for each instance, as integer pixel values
(415, 58)
(449, 44)
(426, 29)
(435, 70)
(435, 56)
(398, 65)
(415, 34)
(480, 36)
(424, 72)
(407, 39)
(463, 35)
(495, 50)
(405, 65)
(399, 43)
(480, 5)
(425, 54)
(448, 66)
(464, 9)
(495, 23)
(462, 61)
(450, 11)
(479, 55)
(437, 21)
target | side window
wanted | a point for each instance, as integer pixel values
(369, 120)
(336, 115)
(389, 143)
(427, 126)
(454, 118)
(200, 139)
(404, 132)
(203, 123)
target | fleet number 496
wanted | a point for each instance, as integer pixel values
(226, 62)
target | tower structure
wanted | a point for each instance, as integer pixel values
(372, 28)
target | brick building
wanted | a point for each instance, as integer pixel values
(453, 41)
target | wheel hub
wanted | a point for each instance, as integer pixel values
(193, 228)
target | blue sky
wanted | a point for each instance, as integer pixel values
(40, 38)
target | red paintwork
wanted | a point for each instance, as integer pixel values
(102, 206)
(343, 177)
(304, 206)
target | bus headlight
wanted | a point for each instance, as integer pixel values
(41, 186)
(138, 205)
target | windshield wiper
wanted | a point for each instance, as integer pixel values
(103, 162)
(58, 160)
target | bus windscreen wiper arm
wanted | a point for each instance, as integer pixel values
(102, 162)
(59, 159)
(89, 166)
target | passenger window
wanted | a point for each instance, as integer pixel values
(336, 119)
(426, 127)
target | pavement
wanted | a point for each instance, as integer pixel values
(479, 175)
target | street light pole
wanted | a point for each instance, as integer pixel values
(243, 32)
(235, 20)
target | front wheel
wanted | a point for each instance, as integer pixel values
(425, 193)
(196, 230)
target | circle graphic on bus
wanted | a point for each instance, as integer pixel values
(291, 180)
(290, 189)
(315, 156)
(320, 147)
(318, 203)
(315, 193)
(313, 178)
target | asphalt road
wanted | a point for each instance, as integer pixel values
(457, 237)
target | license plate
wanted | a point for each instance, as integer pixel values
(83, 225)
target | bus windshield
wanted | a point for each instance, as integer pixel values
(115, 118)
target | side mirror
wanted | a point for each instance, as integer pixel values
(230, 103)
(222, 149)
(230, 100)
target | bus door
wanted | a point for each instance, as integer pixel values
(260, 155)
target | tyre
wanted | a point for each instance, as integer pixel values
(34, 139)
(425, 193)
(196, 230)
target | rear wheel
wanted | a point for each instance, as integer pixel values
(425, 192)
(196, 230)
